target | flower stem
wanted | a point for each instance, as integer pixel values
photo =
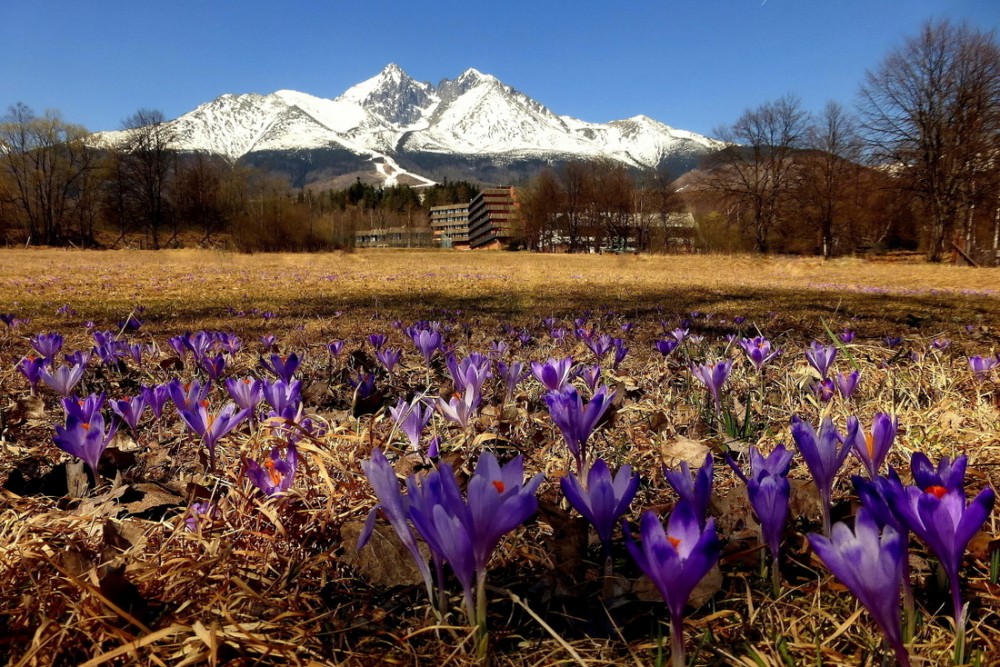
(824, 497)
(956, 600)
(482, 637)
(677, 640)
(775, 577)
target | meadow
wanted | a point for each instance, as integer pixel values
(174, 549)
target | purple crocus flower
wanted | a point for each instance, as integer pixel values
(675, 560)
(214, 367)
(713, 376)
(554, 373)
(871, 447)
(200, 514)
(820, 357)
(377, 340)
(846, 336)
(822, 456)
(283, 367)
(666, 346)
(83, 409)
(679, 334)
(940, 343)
(179, 345)
(869, 561)
(277, 474)
(47, 345)
(85, 440)
(591, 376)
(940, 516)
(696, 489)
(892, 341)
(758, 351)
(948, 473)
(110, 353)
(459, 408)
(498, 349)
(79, 358)
(603, 500)
(512, 376)
(464, 533)
(135, 351)
(847, 383)
(130, 410)
(824, 390)
(575, 421)
(599, 345)
(472, 372)
(769, 491)
(981, 366)
(246, 392)
(31, 368)
(283, 396)
(427, 341)
(186, 396)
(199, 344)
(212, 427)
(156, 398)
(412, 418)
(389, 357)
(335, 347)
(63, 379)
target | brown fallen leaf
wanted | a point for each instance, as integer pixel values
(683, 449)
(384, 561)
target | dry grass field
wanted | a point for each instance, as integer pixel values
(190, 288)
(112, 576)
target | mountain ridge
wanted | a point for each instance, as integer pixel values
(444, 129)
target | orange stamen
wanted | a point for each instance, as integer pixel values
(274, 474)
(499, 486)
(674, 542)
(870, 444)
(938, 491)
(86, 426)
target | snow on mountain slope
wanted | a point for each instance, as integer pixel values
(478, 114)
(229, 125)
(394, 96)
(392, 114)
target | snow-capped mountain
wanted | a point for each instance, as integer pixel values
(392, 127)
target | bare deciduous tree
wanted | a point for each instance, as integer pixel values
(828, 173)
(753, 173)
(932, 110)
(147, 166)
(46, 161)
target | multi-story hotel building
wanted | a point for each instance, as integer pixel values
(450, 225)
(491, 213)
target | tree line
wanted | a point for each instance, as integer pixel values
(915, 164)
(60, 185)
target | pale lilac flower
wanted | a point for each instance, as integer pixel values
(554, 373)
(847, 383)
(821, 357)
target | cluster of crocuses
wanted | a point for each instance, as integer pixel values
(86, 432)
(462, 529)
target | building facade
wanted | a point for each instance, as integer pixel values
(450, 225)
(491, 214)
(393, 237)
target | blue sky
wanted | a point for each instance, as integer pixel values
(693, 64)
